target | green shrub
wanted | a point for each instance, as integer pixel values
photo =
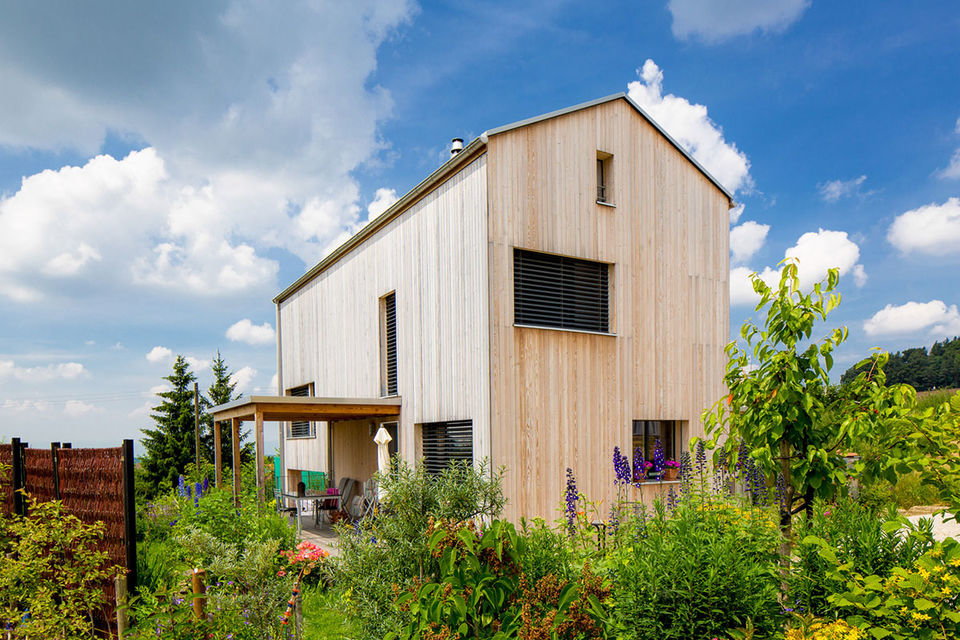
(482, 591)
(696, 571)
(919, 601)
(52, 575)
(867, 541)
(385, 552)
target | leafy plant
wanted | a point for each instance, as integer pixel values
(917, 602)
(53, 574)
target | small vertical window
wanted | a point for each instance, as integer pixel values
(604, 178)
(388, 317)
(646, 434)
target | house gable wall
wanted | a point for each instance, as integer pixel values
(565, 399)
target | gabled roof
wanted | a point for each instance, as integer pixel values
(469, 153)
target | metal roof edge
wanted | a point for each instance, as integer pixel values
(409, 198)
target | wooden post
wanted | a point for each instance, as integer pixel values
(258, 429)
(19, 477)
(217, 456)
(55, 467)
(235, 434)
(129, 515)
(123, 619)
(199, 593)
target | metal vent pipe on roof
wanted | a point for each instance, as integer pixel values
(456, 146)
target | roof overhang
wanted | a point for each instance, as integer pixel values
(287, 408)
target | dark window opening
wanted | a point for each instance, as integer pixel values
(390, 344)
(647, 432)
(562, 292)
(445, 442)
(301, 428)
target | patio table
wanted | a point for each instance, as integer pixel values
(302, 501)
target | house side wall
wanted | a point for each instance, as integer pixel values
(565, 399)
(434, 257)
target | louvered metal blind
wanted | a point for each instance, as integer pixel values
(390, 320)
(444, 442)
(301, 428)
(556, 291)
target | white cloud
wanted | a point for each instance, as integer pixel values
(816, 252)
(197, 364)
(25, 405)
(941, 320)
(270, 389)
(156, 389)
(952, 170)
(60, 371)
(714, 20)
(746, 239)
(932, 229)
(834, 190)
(690, 126)
(242, 378)
(382, 200)
(249, 143)
(143, 410)
(735, 212)
(76, 408)
(245, 331)
(159, 354)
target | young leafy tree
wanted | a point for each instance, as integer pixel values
(171, 445)
(781, 407)
(221, 391)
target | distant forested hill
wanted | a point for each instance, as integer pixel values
(938, 368)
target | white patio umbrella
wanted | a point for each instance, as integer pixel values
(383, 439)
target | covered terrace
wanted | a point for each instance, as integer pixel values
(260, 409)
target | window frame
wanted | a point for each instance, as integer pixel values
(670, 450)
(312, 426)
(428, 448)
(386, 390)
(605, 180)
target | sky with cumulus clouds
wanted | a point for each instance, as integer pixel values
(165, 170)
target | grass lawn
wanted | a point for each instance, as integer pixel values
(323, 617)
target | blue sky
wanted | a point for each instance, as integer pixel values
(165, 172)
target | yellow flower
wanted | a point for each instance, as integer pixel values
(955, 562)
(923, 573)
(919, 616)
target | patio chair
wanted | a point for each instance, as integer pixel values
(346, 488)
(369, 498)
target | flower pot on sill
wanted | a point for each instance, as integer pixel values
(671, 473)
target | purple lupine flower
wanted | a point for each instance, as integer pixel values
(659, 458)
(701, 458)
(206, 484)
(686, 473)
(621, 467)
(639, 469)
(182, 487)
(198, 490)
(570, 498)
(671, 500)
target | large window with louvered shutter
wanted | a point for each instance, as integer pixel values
(557, 291)
(444, 442)
(301, 428)
(389, 334)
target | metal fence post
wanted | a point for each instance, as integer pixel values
(19, 477)
(129, 515)
(55, 467)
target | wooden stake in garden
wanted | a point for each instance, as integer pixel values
(199, 593)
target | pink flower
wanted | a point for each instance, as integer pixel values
(281, 573)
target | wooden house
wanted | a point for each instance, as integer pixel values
(557, 288)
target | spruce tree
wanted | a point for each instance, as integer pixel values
(221, 391)
(170, 446)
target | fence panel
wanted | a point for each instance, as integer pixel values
(39, 464)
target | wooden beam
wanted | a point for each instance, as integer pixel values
(258, 431)
(217, 455)
(235, 434)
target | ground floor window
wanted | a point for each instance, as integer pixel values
(444, 442)
(646, 434)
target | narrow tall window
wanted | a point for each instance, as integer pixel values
(388, 314)
(604, 178)
(561, 292)
(301, 428)
(446, 442)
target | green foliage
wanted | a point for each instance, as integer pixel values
(697, 571)
(917, 602)
(922, 442)
(938, 368)
(781, 405)
(323, 618)
(908, 491)
(388, 551)
(482, 592)
(859, 537)
(53, 570)
(171, 445)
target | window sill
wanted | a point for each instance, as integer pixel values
(607, 204)
(592, 333)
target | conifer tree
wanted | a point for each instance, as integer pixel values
(170, 446)
(221, 391)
